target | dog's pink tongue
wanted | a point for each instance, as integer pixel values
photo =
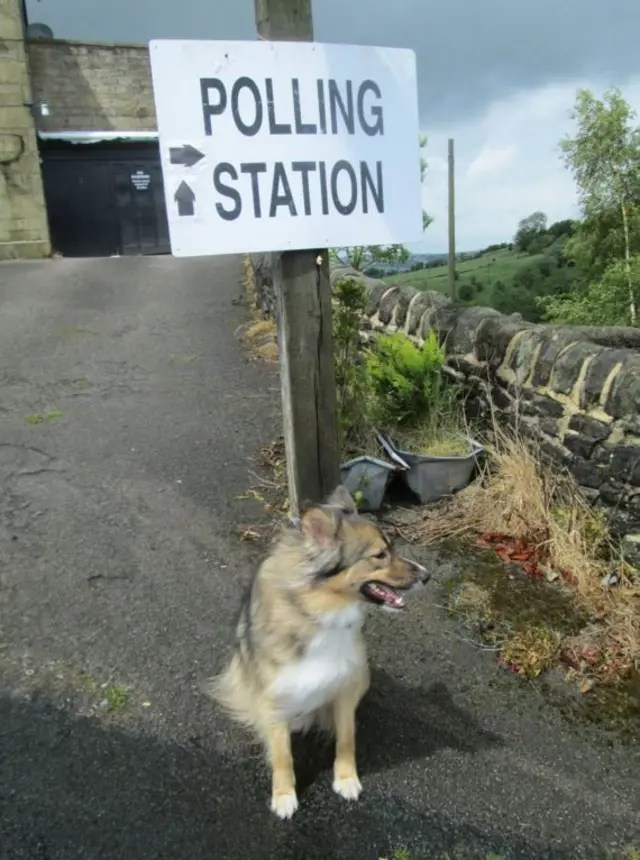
(386, 594)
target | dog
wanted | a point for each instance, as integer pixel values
(299, 660)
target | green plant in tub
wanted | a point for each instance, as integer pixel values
(413, 400)
(443, 433)
(403, 377)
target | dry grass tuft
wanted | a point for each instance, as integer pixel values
(511, 497)
(260, 335)
(436, 442)
(520, 498)
(249, 284)
(260, 328)
(473, 601)
(532, 650)
(269, 489)
(268, 352)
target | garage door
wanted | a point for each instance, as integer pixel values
(104, 199)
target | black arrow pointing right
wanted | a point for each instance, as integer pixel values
(187, 155)
(185, 198)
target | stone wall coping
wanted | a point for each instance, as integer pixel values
(77, 43)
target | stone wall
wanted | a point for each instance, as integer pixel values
(24, 231)
(567, 388)
(91, 87)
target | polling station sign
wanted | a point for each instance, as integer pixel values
(273, 146)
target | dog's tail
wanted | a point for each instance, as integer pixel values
(233, 693)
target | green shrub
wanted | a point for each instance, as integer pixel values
(393, 384)
(466, 291)
(404, 378)
(353, 389)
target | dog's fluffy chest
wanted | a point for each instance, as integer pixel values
(331, 660)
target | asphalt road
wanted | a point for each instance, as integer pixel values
(128, 413)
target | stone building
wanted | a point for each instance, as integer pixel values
(79, 164)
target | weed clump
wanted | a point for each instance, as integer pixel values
(391, 384)
(536, 516)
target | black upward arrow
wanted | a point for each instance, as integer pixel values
(185, 198)
(187, 155)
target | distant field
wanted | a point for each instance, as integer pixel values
(495, 266)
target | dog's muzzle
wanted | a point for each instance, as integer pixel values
(422, 574)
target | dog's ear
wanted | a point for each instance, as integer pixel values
(342, 498)
(319, 526)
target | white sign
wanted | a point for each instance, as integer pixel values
(140, 180)
(274, 146)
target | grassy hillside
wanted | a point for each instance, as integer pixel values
(506, 279)
(488, 268)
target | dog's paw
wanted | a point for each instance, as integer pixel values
(284, 805)
(348, 787)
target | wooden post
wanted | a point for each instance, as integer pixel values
(303, 298)
(452, 224)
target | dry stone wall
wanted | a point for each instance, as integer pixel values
(24, 231)
(575, 391)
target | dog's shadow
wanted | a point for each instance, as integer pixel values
(396, 723)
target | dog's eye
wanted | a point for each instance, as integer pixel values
(380, 554)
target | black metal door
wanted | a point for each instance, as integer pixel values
(80, 208)
(105, 199)
(139, 197)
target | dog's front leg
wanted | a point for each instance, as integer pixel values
(345, 772)
(284, 801)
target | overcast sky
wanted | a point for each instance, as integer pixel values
(499, 76)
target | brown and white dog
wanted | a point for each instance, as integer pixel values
(299, 659)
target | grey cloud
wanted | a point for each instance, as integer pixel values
(470, 52)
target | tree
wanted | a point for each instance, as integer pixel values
(466, 292)
(544, 267)
(603, 302)
(424, 164)
(598, 242)
(539, 243)
(562, 228)
(528, 229)
(361, 257)
(604, 157)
